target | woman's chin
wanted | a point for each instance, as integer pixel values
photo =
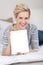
(22, 27)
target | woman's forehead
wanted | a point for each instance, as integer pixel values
(23, 14)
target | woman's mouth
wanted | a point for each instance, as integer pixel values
(23, 24)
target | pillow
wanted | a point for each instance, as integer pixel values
(40, 34)
(19, 41)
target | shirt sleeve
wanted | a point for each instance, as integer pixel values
(1, 39)
(34, 38)
(5, 38)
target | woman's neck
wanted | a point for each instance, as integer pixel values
(16, 27)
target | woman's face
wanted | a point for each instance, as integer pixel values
(22, 19)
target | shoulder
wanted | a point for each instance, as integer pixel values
(32, 26)
(8, 28)
(6, 31)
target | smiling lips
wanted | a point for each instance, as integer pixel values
(23, 24)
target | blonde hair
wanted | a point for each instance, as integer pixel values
(20, 8)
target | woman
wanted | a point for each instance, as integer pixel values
(22, 16)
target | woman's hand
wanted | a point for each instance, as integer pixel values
(19, 53)
(32, 50)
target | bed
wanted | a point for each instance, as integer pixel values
(27, 59)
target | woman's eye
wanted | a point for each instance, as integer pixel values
(26, 18)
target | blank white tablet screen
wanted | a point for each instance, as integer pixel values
(19, 41)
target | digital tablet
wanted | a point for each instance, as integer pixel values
(19, 41)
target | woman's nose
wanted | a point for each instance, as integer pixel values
(23, 21)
